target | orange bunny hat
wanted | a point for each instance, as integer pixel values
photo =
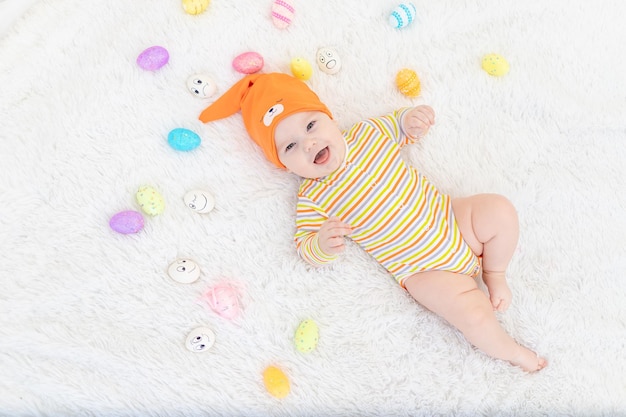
(264, 100)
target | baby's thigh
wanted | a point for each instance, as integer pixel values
(482, 217)
(463, 209)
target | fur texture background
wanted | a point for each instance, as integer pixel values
(90, 323)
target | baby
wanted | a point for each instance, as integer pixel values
(357, 186)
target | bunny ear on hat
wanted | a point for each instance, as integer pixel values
(229, 103)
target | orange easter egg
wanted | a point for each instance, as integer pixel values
(408, 82)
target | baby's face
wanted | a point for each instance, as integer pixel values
(310, 144)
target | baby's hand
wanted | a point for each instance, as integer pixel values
(330, 236)
(417, 121)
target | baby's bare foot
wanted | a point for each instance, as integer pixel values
(499, 291)
(529, 360)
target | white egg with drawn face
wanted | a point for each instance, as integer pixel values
(184, 271)
(200, 340)
(328, 61)
(199, 201)
(201, 85)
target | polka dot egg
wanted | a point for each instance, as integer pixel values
(307, 336)
(301, 68)
(150, 201)
(495, 65)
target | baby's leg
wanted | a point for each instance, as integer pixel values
(458, 299)
(488, 223)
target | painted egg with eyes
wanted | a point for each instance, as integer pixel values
(201, 85)
(328, 61)
(153, 58)
(276, 382)
(127, 222)
(199, 201)
(184, 271)
(150, 200)
(200, 340)
(183, 139)
(248, 62)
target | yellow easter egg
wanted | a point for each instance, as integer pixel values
(306, 337)
(495, 65)
(150, 201)
(408, 82)
(276, 382)
(195, 6)
(300, 68)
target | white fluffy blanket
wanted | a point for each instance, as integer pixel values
(90, 322)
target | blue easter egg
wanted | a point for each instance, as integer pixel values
(403, 15)
(183, 139)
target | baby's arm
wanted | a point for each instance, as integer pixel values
(323, 246)
(417, 121)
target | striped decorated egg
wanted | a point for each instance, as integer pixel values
(408, 82)
(194, 7)
(403, 15)
(282, 13)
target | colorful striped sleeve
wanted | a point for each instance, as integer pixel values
(309, 219)
(391, 126)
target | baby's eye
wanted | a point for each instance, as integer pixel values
(290, 146)
(310, 126)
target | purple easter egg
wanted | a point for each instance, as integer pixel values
(126, 222)
(153, 58)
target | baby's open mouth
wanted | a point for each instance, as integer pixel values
(322, 156)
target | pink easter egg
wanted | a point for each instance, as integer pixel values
(153, 58)
(248, 63)
(282, 13)
(126, 222)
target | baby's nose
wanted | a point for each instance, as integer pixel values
(309, 144)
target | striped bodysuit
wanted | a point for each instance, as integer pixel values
(396, 214)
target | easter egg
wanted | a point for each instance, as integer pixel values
(495, 65)
(195, 6)
(276, 382)
(126, 222)
(183, 139)
(201, 85)
(403, 15)
(282, 13)
(248, 62)
(199, 201)
(150, 201)
(408, 82)
(223, 299)
(200, 340)
(301, 68)
(328, 61)
(184, 271)
(153, 58)
(306, 337)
